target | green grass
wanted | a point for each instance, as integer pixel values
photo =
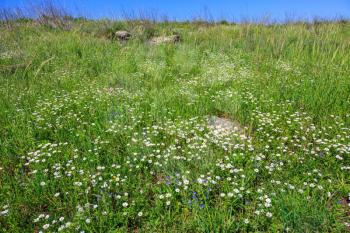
(102, 136)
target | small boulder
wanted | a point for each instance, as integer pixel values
(225, 126)
(165, 39)
(122, 35)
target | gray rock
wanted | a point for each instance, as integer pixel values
(224, 126)
(122, 35)
(165, 39)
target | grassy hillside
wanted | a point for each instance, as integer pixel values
(102, 136)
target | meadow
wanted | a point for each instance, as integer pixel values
(98, 135)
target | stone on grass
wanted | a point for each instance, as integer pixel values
(225, 126)
(165, 39)
(122, 35)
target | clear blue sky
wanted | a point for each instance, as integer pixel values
(217, 9)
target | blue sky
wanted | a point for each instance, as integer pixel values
(217, 9)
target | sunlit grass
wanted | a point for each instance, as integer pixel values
(102, 136)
